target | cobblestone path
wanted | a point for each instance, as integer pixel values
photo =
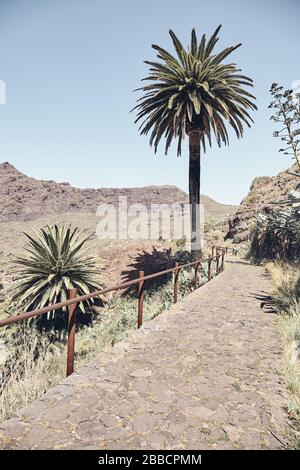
(203, 375)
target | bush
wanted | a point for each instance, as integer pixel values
(31, 363)
(276, 236)
(55, 261)
(286, 286)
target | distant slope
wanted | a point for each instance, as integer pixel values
(216, 210)
(264, 191)
(23, 198)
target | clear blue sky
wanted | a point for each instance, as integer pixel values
(70, 67)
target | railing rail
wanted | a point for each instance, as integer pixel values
(218, 254)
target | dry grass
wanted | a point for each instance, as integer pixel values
(30, 365)
(286, 281)
(286, 294)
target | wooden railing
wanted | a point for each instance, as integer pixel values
(217, 255)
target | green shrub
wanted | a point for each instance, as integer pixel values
(55, 261)
(276, 236)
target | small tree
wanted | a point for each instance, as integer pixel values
(287, 113)
(55, 262)
(277, 232)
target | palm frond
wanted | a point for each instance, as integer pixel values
(196, 90)
(55, 262)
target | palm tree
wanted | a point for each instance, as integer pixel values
(193, 94)
(55, 263)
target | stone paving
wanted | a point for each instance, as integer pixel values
(204, 375)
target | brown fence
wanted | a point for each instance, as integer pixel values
(217, 255)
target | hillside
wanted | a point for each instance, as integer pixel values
(264, 191)
(27, 203)
(23, 198)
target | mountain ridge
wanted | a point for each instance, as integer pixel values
(25, 198)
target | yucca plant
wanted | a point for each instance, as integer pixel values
(276, 236)
(55, 262)
(194, 94)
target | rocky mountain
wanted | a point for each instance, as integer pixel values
(23, 198)
(264, 191)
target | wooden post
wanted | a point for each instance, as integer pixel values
(212, 251)
(217, 267)
(209, 269)
(71, 332)
(223, 256)
(176, 278)
(141, 300)
(196, 274)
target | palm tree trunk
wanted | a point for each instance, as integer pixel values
(194, 191)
